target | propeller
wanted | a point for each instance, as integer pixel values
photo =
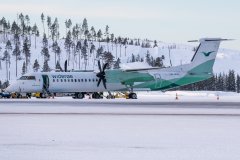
(101, 74)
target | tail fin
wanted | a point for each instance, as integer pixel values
(205, 55)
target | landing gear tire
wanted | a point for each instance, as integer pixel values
(132, 96)
(19, 95)
(110, 97)
(79, 95)
(96, 96)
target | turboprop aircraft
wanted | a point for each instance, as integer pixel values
(148, 79)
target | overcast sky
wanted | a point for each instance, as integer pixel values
(165, 20)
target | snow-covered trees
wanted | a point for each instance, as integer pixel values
(36, 33)
(46, 67)
(36, 66)
(108, 58)
(26, 52)
(220, 82)
(67, 44)
(117, 64)
(43, 19)
(45, 53)
(17, 54)
(23, 68)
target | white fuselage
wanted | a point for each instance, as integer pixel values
(61, 82)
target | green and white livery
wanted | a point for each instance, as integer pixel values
(149, 79)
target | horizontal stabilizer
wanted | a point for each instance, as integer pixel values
(211, 40)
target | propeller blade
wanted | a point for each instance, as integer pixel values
(65, 66)
(99, 81)
(105, 66)
(99, 66)
(104, 83)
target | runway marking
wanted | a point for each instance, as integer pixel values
(124, 114)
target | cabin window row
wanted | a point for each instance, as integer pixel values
(75, 80)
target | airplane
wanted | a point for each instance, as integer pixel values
(110, 80)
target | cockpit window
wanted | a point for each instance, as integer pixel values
(27, 78)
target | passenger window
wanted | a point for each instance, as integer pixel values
(75, 80)
(61, 80)
(89, 80)
(82, 80)
(71, 80)
(57, 80)
(65, 80)
(53, 80)
(85, 80)
(68, 80)
(93, 80)
(79, 80)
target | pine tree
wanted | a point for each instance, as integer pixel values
(24, 68)
(99, 35)
(43, 19)
(26, 52)
(84, 55)
(58, 66)
(8, 46)
(238, 84)
(125, 42)
(133, 58)
(120, 45)
(231, 82)
(85, 25)
(54, 28)
(155, 44)
(55, 49)
(93, 33)
(158, 62)
(68, 24)
(117, 64)
(45, 54)
(78, 50)
(6, 58)
(36, 66)
(67, 44)
(108, 58)
(46, 67)
(17, 54)
(148, 58)
(3, 23)
(99, 52)
(49, 23)
(35, 32)
(73, 48)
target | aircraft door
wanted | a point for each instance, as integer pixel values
(45, 82)
(158, 80)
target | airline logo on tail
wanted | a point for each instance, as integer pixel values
(207, 53)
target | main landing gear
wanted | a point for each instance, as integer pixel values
(132, 96)
(81, 95)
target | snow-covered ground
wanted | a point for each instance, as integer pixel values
(156, 126)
